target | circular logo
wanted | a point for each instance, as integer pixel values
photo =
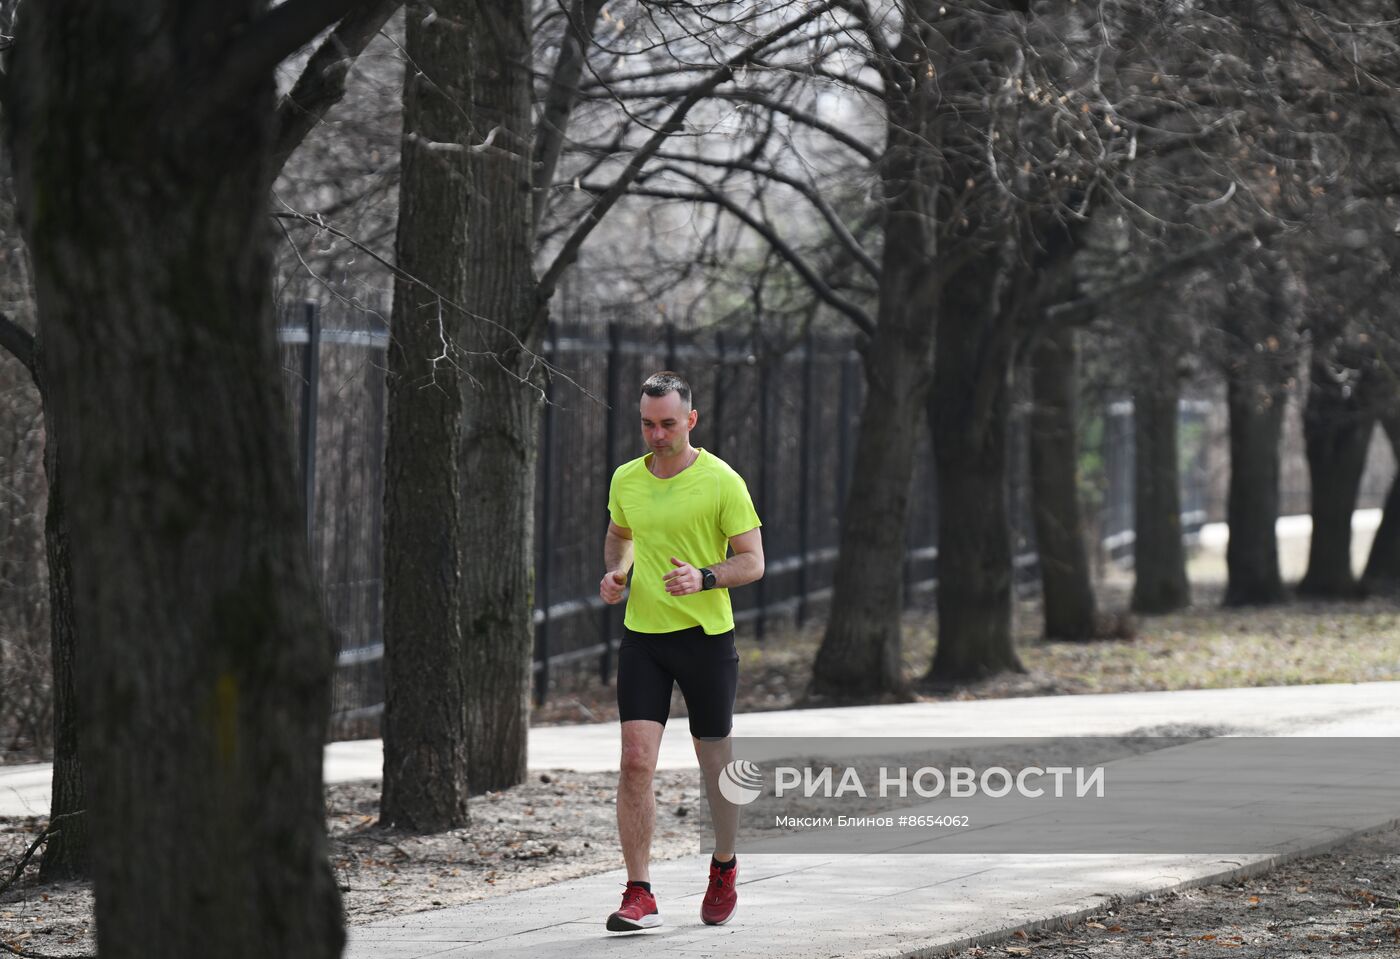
(740, 782)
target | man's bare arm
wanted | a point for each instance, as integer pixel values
(617, 557)
(617, 548)
(746, 565)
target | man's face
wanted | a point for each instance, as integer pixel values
(666, 423)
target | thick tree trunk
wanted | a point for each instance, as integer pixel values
(1256, 422)
(969, 406)
(143, 174)
(425, 733)
(1067, 588)
(1160, 584)
(67, 853)
(502, 404)
(1260, 359)
(1337, 428)
(1383, 565)
(860, 651)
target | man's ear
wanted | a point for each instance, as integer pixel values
(694, 418)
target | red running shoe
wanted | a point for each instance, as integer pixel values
(721, 898)
(638, 911)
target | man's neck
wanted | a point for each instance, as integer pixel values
(667, 467)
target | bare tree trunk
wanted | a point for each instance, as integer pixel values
(502, 404)
(425, 732)
(860, 651)
(1160, 584)
(142, 135)
(1256, 422)
(1337, 426)
(969, 407)
(1260, 359)
(1067, 590)
(1383, 565)
(67, 853)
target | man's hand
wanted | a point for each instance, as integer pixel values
(612, 587)
(682, 580)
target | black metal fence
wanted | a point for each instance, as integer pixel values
(781, 409)
(334, 375)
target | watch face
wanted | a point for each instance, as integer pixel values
(707, 577)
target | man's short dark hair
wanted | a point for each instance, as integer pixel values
(659, 384)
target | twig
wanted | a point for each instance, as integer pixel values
(34, 847)
(16, 951)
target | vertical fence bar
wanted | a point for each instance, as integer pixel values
(311, 384)
(843, 429)
(717, 402)
(764, 453)
(671, 346)
(546, 474)
(608, 621)
(804, 508)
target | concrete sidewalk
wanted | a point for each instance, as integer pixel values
(902, 905)
(1348, 709)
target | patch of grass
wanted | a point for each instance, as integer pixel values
(1207, 647)
(1204, 647)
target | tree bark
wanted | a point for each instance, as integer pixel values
(425, 733)
(1160, 584)
(1066, 587)
(1256, 423)
(1383, 565)
(1337, 428)
(969, 407)
(860, 651)
(1260, 358)
(67, 854)
(502, 405)
(142, 139)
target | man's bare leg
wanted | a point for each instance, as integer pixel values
(636, 802)
(713, 756)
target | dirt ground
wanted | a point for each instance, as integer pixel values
(1343, 903)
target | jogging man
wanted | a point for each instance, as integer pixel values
(674, 515)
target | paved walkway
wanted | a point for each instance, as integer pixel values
(1347, 709)
(901, 905)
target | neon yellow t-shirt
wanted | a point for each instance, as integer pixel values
(690, 516)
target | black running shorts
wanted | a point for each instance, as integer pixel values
(707, 668)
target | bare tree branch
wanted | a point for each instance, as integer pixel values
(569, 253)
(269, 40)
(809, 276)
(322, 82)
(1086, 307)
(559, 99)
(809, 192)
(19, 343)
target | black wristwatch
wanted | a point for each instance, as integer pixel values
(707, 578)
